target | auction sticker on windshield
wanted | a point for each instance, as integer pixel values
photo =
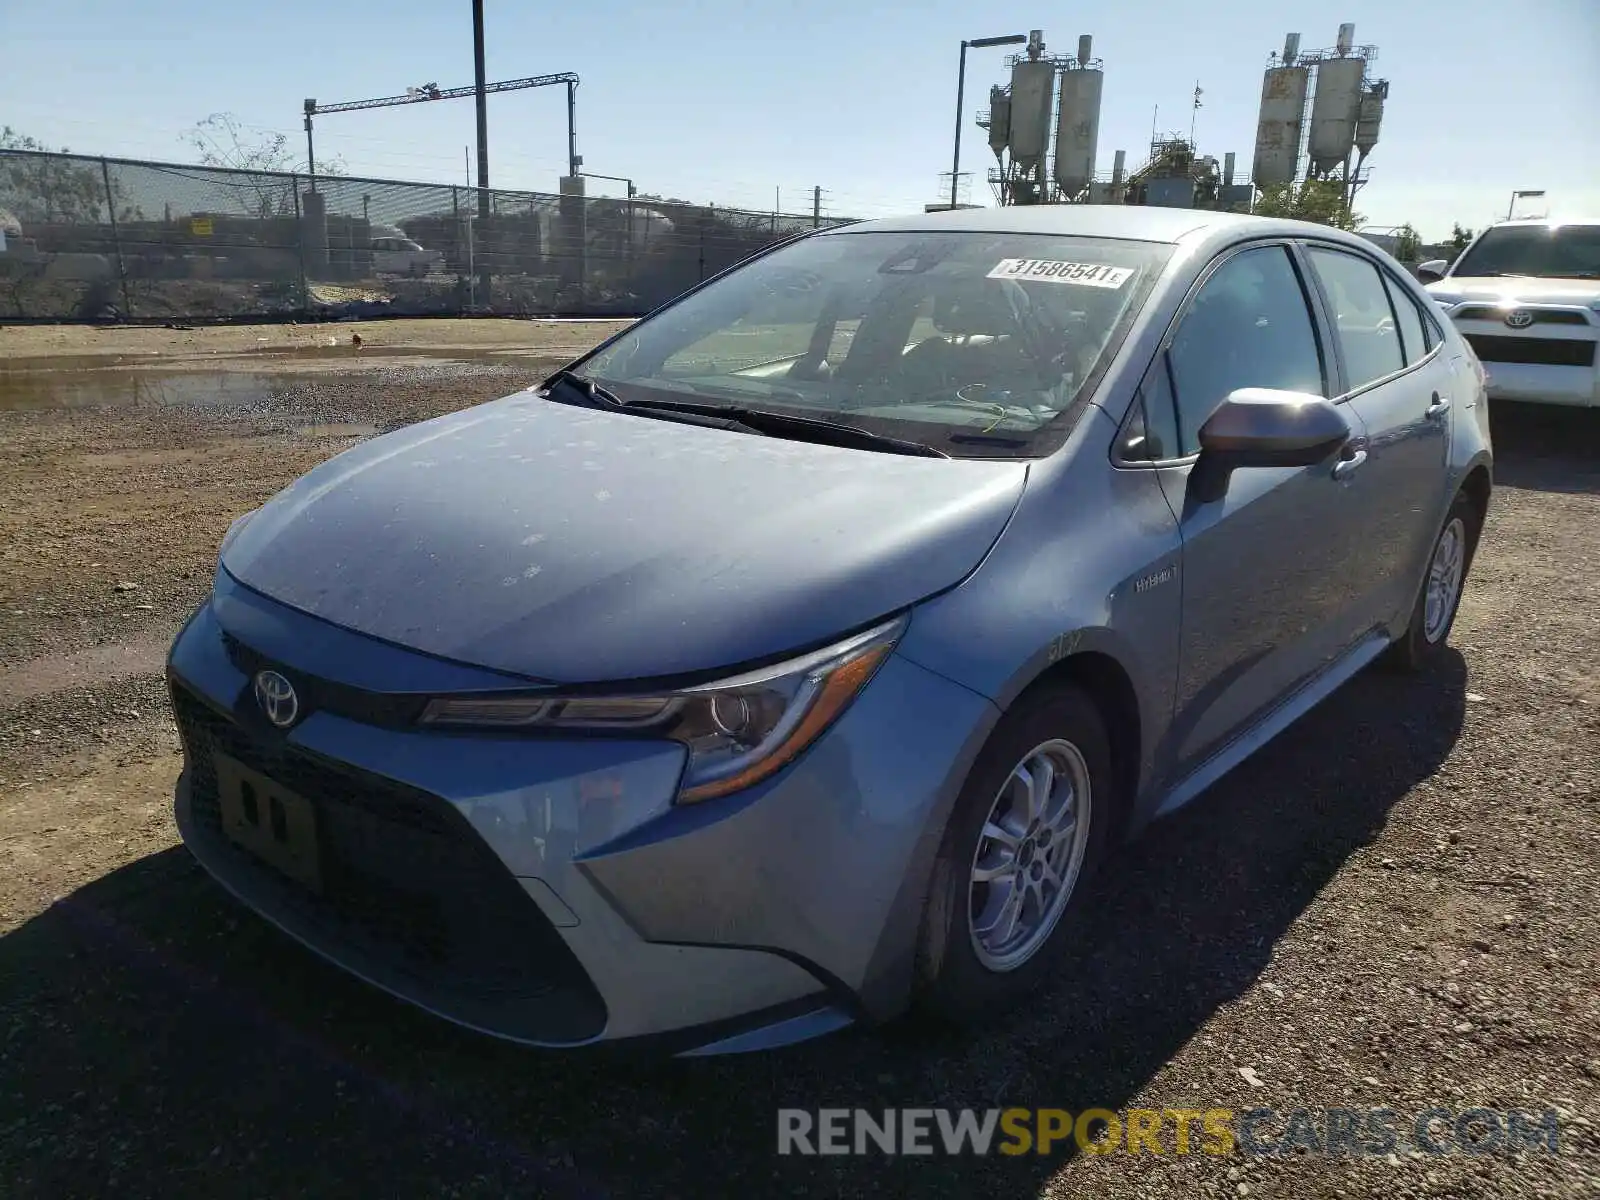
(1051, 271)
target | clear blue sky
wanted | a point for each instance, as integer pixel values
(723, 101)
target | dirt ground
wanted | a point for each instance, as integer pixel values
(167, 342)
(1394, 904)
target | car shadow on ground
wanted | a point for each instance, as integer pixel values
(158, 1039)
(1546, 448)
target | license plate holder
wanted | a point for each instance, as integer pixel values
(269, 821)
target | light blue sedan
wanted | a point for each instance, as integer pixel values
(795, 657)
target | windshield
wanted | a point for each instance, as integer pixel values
(1543, 251)
(970, 342)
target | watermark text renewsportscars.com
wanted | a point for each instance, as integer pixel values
(1211, 1131)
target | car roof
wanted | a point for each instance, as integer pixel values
(1547, 222)
(1126, 221)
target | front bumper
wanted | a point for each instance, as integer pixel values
(547, 891)
(1572, 387)
(1554, 361)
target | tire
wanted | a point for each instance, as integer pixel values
(1424, 641)
(966, 969)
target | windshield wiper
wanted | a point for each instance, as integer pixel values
(764, 420)
(986, 439)
(597, 396)
(754, 420)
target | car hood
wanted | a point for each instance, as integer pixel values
(573, 545)
(1510, 290)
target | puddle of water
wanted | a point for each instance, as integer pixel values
(213, 381)
(137, 389)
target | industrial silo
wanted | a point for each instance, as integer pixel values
(1032, 89)
(1334, 111)
(1078, 121)
(999, 120)
(1370, 118)
(1278, 129)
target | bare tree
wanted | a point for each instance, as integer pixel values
(221, 140)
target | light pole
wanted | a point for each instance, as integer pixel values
(1010, 39)
(485, 275)
(1515, 196)
(632, 192)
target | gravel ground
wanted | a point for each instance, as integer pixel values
(1392, 905)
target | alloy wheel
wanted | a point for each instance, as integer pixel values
(1029, 855)
(1444, 580)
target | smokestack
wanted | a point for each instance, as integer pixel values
(1118, 168)
(1291, 49)
(1347, 38)
(1085, 48)
(1035, 43)
(1227, 169)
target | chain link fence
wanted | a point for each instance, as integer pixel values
(95, 239)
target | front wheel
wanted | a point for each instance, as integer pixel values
(1027, 832)
(1434, 614)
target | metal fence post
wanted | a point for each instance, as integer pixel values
(116, 237)
(300, 242)
(459, 247)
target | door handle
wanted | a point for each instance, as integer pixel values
(1439, 406)
(1346, 467)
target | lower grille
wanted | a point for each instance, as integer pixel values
(412, 896)
(1549, 352)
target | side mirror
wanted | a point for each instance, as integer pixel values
(1433, 270)
(1261, 427)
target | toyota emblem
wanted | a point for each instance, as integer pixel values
(1519, 318)
(277, 698)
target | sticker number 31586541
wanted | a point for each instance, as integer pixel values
(1044, 270)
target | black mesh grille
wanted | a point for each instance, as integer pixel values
(412, 895)
(1549, 352)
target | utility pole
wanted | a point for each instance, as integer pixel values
(479, 82)
(816, 207)
(311, 151)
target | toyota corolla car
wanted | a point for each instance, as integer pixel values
(1526, 296)
(798, 654)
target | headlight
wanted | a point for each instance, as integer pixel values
(738, 731)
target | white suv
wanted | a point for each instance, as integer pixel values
(1526, 296)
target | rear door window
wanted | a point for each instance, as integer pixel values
(1364, 323)
(1414, 340)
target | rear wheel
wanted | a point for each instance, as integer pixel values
(1027, 832)
(1434, 613)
